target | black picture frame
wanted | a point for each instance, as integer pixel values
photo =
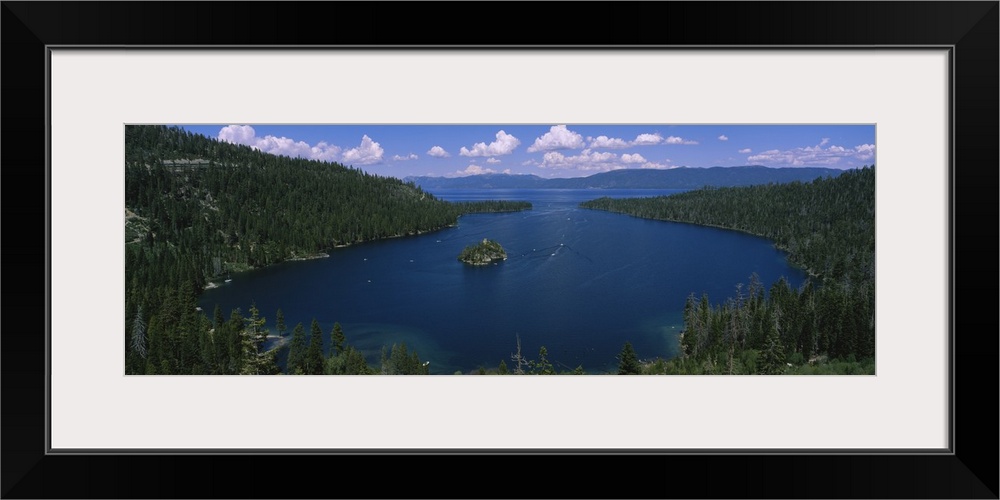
(969, 471)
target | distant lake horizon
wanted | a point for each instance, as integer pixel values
(579, 282)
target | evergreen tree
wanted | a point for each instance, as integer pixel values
(234, 342)
(398, 360)
(773, 358)
(337, 338)
(416, 367)
(136, 359)
(207, 347)
(218, 320)
(401, 362)
(139, 334)
(704, 326)
(543, 367)
(255, 360)
(279, 322)
(689, 337)
(628, 362)
(355, 363)
(502, 369)
(219, 337)
(314, 354)
(297, 352)
(190, 324)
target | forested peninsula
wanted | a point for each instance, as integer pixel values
(827, 226)
(197, 209)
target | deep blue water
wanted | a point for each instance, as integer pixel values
(579, 282)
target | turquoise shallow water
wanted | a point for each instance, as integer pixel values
(579, 282)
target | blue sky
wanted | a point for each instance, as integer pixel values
(559, 150)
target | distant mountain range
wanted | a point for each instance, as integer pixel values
(677, 178)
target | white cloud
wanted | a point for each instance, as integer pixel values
(325, 152)
(658, 166)
(635, 158)
(589, 160)
(814, 155)
(745, 151)
(864, 151)
(410, 156)
(647, 139)
(773, 155)
(438, 152)
(678, 140)
(368, 153)
(478, 170)
(504, 145)
(238, 134)
(603, 141)
(283, 146)
(492, 160)
(723, 138)
(558, 137)
(606, 142)
(586, 160)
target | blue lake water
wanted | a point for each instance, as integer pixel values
(579, 282)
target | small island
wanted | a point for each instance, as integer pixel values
(482, 253)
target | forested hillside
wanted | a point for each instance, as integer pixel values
(826, 226)
(198, 209)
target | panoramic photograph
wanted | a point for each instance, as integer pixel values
(499, 249)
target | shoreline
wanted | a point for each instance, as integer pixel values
(325, 254)
(320, 255)
(809, 271)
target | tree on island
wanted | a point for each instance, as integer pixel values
(482, 253)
